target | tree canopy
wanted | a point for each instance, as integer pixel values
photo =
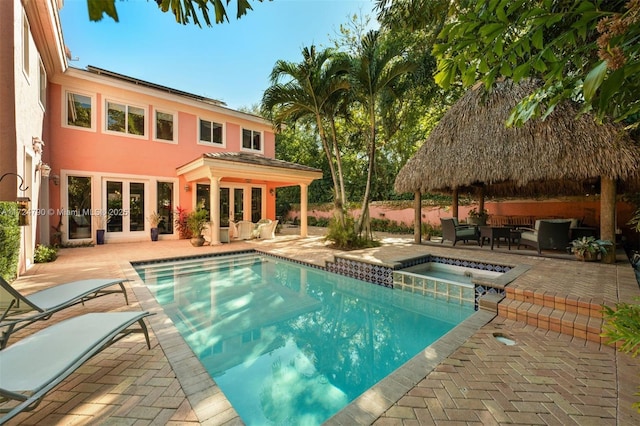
(586, 51)
(185, 11)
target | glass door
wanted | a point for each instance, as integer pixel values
(165, 207)
(238, 204)
(225, 211)
(256, 204)
(79, 207)
(125, 206)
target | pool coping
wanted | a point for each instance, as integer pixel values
(211, 406)
(374, 402)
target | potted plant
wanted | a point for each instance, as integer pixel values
(477, 217)
(196, 221)
(101, 221)
(181, 223)
(588, 249)
(154, 219)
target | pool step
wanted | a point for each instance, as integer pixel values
(577, 318)
(199, 265)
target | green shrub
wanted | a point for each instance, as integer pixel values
(45, 254)
(622, 327)
(429, 229)
(346, 238)
(9, 240)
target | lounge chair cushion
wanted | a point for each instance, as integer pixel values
(59, 295)
(16, 309)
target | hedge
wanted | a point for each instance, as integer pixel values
(9, 240)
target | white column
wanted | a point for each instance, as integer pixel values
(214, 202)
(303, 210)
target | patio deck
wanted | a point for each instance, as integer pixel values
(557, 373)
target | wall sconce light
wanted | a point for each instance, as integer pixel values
(44, 169)
(23, 211)
(187, 188)
(272, 191)
(55, 179)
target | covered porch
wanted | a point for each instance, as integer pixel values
(241, 186)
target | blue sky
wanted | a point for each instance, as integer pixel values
(230, 62)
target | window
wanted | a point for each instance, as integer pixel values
(79, 110)
(210, 132)
(251, 140)
(164, 126)
(25, 45)
(43, 86)
(125, 119)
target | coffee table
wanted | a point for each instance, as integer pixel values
(495, 233)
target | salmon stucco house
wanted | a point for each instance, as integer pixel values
(96, 149)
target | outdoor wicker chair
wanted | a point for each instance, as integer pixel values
(551, 234)
(453, 231)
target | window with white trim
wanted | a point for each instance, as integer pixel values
(251, 140)
(79, 110)
(211, 132)
(164, 126)
(25, 44)
(123, 118)
(43, 86)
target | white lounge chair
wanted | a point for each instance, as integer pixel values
(49, 301)
(35, 365)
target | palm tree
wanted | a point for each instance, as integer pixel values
(312, 90)
(375, 73)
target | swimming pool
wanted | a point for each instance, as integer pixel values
(288, 343)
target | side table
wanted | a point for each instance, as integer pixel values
(494, 233)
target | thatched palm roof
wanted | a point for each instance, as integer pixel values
(472, 145)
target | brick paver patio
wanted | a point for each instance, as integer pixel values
(558, 372)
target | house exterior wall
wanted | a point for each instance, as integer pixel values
(106, 156)
(22, 121)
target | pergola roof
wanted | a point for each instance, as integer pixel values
(241, 165)
(471, 145)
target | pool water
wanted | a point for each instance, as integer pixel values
(450, 273)
(290, 344)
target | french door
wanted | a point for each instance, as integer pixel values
(236, 202)
(125, 206)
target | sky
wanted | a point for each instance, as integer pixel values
(230, 62)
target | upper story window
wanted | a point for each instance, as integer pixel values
(25, 45)
(251, 140)
(211, 132)
(124, 118)
(43, 86)
(79, 110)
(164, 126)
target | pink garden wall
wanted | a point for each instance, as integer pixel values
(587, 209)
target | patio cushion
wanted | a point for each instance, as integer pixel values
(466, 232)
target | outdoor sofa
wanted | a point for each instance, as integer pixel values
(548, 234)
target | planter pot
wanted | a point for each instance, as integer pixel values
(100, 236)
(154, 234)
(479, 221)
(587, 257)
(197, 241)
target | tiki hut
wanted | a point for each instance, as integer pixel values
(471, 146)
